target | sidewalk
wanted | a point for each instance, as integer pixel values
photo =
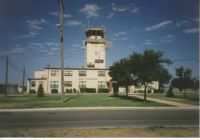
(165, 101)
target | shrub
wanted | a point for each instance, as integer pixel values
(170, 92)
(82, 90)
(32, 91)
(88, 90)
(54, 91)
(68, 90)
(74, 90)
(158, 91)
(40, 92)
(103, 90)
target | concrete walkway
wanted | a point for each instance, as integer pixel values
(165, 101)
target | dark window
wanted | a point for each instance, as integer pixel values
(54, 72)
(68, 83)
(99, 61)
(54, 84)
(68, 73)
(101, 73)
(82, 73)
(33, 83)
(82, 84)
(101, 84)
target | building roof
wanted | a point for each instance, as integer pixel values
(76, 68)
(37, 78)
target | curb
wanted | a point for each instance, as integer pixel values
(96, 108)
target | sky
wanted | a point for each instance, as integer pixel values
(30, 38)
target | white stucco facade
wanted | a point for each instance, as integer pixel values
(74, 78)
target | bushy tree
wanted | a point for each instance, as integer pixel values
(120, 72)
(40, 92)
(183, 80)
(140, 69)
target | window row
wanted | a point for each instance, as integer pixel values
(82, 84)
(69, 73)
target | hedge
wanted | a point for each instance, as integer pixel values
(103, 90)
(88, 90)
(54, 91)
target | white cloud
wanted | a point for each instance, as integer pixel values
(36, 45)
(117, 8)
(191, 30)
(159, 25)
(111, 14)
(134, 10)
(91, 10)
(148, 42)
(125, 8)
(36, 24)
(120, 34)
(181, 23)
(56, 14)
(124, 38)
(51, 43)
(34, 28)
(168, 39)
(73, 23)
(29, 35)
(132, 46)
(121, 38)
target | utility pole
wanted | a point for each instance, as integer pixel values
(6, 77)
(61, 27)
(23, 80)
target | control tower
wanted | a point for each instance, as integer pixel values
(95, 45)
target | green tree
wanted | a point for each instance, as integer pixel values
(147, 67)
(120, 72)
(140, 69)
(183, 80)
(163, 78)
(40, 92)
(195, 84)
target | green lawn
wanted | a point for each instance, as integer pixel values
(191, 98)
(95, 100)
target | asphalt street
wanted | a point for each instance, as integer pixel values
(95, 118)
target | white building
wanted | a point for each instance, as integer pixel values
(94, 75)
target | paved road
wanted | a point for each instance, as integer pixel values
(99, 118)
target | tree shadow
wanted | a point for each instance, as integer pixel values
(70, 98)
(130, 98)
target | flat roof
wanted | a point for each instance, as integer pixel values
(76, 68)
(95, 28)
(37, 78)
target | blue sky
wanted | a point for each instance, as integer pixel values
(29, 35)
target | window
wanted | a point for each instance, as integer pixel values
(99, 61)
(101, 84)
(68, 83)
(101, 73)
(33, 83)
(54, 72)
(82, 84)
(40, 82)
(68, 73)
(54, 84)
(82, 73)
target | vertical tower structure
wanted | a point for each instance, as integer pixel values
(95, 46)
